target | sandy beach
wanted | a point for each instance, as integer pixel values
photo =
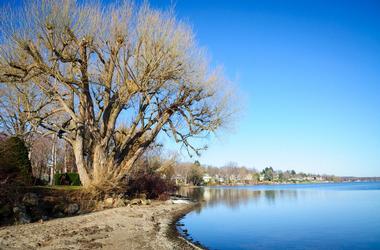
(136, 227)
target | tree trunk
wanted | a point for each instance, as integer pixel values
(80, 162)
(101, 163)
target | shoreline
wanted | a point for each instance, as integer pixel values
(173, 233)
(259, 184)
(133, 227)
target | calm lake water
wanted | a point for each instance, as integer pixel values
(315, 216)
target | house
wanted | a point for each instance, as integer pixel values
(261, 177)
(248, 178)
(233, 178)
(179, 179)
(206, 178)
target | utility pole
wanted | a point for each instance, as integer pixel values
(65, 159)
(53, 159)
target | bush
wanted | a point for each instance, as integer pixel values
(151, 184)
(67, 179)
(14, 161)
(74, 178)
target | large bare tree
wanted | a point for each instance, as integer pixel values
(115, 76)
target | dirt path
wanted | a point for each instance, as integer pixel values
(137, 227)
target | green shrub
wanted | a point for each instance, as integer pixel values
(14, 161)
(74, 179)
(57, 179)
(67, 179)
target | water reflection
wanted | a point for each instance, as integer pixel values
(315, 216)
(236, 197)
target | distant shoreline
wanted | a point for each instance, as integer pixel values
(277, 183)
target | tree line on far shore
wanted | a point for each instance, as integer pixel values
(232, 174)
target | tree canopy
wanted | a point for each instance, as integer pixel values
(109, 79)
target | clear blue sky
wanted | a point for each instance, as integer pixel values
(310, 75)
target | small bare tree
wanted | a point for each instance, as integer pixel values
(18, 104)
(116, 77)
(40, 154)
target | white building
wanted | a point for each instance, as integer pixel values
(206, 178)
